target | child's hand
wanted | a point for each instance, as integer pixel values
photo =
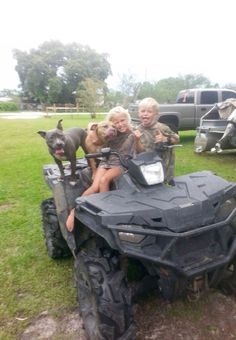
(137, 134)
(160, 138)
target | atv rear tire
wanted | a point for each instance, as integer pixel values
(55, 243)
(104, 299)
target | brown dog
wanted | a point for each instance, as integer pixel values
(98, 135)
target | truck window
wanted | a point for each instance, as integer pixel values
(209, 97)
(186, 97)
(228, 94)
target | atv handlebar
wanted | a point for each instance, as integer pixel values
(106, 153)
(161, 146)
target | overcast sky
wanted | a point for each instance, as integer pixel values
(151, 39)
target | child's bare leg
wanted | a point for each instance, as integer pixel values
(70, 220)
(108, 177)
(95, 186)
(91, 190)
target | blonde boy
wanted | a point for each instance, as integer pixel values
(150, 132)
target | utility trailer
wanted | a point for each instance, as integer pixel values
(217, 130)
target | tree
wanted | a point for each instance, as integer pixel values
(113, 98)
(90, 95)
(147, 89)
(231, 86)
(55, 89)
(166, 90)
(53, 71)
(129, 87)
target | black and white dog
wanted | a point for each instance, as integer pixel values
(230, 132)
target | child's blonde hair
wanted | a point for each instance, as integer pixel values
(116, 111)
(149, 103)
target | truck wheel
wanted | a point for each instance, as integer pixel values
(104, 299)
(55, 243)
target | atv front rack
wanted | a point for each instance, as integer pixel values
(195, 232)
(188, 253)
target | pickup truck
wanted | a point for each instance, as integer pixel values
(191, 105)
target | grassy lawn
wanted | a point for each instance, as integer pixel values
(31, 283)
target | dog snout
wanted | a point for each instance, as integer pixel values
(111, 132)
(59, 143)
(112, 129)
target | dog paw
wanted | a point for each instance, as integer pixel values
(218, 148)
(213, 150)
(199, 149)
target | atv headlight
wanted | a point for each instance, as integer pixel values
(130, 237)
(146, 168)
(153, 173)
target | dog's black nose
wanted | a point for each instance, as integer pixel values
(59, 144)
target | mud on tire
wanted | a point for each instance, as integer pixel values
(104, 299)
(55, 243)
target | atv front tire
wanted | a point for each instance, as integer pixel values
(104, 299)
(228, 278)
(55, 243)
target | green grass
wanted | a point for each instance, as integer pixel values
(187, 161)
(31, 282)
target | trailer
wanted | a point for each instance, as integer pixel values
(217, 130)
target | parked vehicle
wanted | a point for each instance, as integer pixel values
(217, 130)
(179, 239)
(190, 106)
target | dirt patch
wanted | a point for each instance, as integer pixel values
(4, 207)
(211, 317)
(48, 327)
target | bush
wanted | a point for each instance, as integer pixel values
(9, 106)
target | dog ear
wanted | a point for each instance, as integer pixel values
(42, 133)
(92, 126)
(59, 125)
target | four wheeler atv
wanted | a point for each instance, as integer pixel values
(183, 237)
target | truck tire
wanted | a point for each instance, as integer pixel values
(104, 299)
(55, 243)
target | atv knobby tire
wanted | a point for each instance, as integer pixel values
(55, 243)
(104, 299)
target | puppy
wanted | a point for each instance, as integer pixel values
(63, 146)
(98, 135)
